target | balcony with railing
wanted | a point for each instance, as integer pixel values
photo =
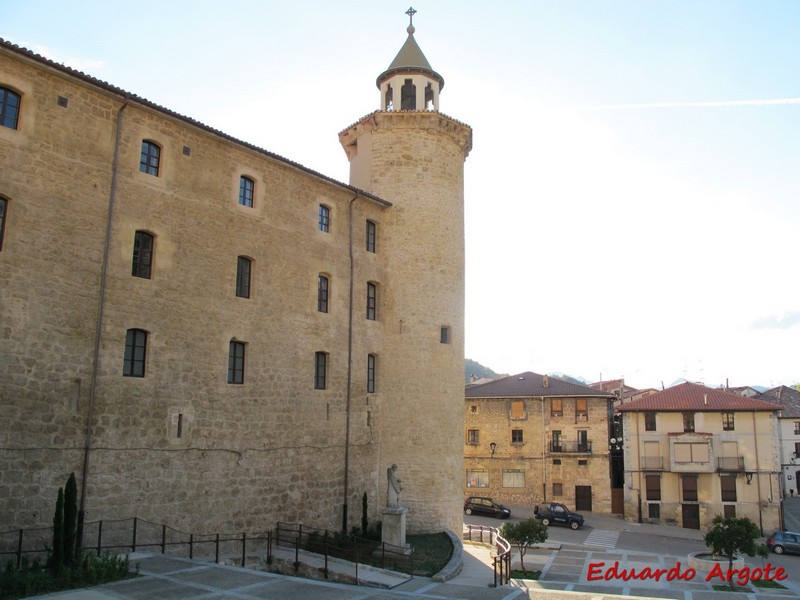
(730, 463)
(571, 447)
(652, 463)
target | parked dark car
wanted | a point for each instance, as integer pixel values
(485, 506)
(555, 512)
(784, 541)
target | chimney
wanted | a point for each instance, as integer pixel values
(705, 398)
(472, 378)
(545, 381)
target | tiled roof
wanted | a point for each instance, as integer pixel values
(788, 398)
(694, 397)
(530, 385)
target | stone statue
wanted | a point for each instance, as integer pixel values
(394, 487)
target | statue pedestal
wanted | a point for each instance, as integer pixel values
(393, 528)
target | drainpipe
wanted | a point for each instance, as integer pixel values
(349, 370)
(639, 463)
(99, 324)
(544, 461)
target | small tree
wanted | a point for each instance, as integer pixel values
(524, 534)
(70, 519)
(730, 536)
(57, 555)
(364, 519)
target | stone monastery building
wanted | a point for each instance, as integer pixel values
(216, 338)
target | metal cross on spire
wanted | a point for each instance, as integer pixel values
(411, 12)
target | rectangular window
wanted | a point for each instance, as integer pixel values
(477, 479)
(3, 207)
(371, 374)
(558, 490)
(473, 436)
(727, 484)
(517, 409)
(581, 410)
(9, 108)
(320, 370)
(444, 335)
(727, 421)
(513, 478)
(797, 449)
(556, 407)
(324, 222)
(243, 277)
(372, 301)
(371, 236)
(688, 422)
(649, 421)
(583, 462)
(322, 294)
(516, 436)
(796, 423)
(729, 511)
(689, 485)
(654, 511)
(135, 353)
(246, 191)
(151, 158)
(556, 461)
(691, 453)
(142, 254)
(653, 487)
(583, 441)
(555, 444)
(236, 362)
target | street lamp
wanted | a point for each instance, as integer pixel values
(492, 447)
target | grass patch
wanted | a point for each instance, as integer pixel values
(517, 574)
(721, 587)
(432, 552)
(762, 583)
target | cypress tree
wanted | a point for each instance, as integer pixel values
(57, 556)
(70, 519)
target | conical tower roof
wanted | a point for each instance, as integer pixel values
(410, 59)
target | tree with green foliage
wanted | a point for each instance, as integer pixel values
(732, 536)
(524, 534)
(70, 519)
(57, 553)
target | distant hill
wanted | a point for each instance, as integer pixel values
(569, 379)
(472, 367)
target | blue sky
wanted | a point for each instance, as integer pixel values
(632, 198)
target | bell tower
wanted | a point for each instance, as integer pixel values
(412, 155)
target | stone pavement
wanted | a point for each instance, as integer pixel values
(564, 570)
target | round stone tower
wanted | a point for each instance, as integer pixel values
(412, 155)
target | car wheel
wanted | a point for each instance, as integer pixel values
(468, 511)
(574, 525)
(545, 522)
(778, 549)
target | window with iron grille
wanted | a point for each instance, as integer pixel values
(151, 158)
(322, 293)
(473, 436)
(372, 300)
(727, 421)
(320, 370)
(236, 362)
(135, 353)
(142, 254)
(372, 230)
(243, 267)
(371, 361)
(516, 436)
(654, 511)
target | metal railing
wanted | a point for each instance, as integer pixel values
(501, 553)
(571, 447)
(130, 535)
(652, 463)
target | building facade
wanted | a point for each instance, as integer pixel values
(530, 438)
(789, 419)
(214, 337)
(692, 452)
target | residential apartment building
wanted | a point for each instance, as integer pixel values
(789, 418)
(530, 438)
(693, 452)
